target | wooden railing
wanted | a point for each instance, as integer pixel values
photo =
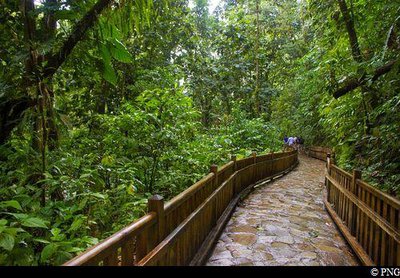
(318, 152)
(177, 232)
(368, 218)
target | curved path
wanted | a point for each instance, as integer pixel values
(284, 223)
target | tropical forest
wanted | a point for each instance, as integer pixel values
(111, 109)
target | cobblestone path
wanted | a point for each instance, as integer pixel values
(284, 223)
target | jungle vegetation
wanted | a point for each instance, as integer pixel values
(104, 103)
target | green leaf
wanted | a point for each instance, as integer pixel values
(109, 73)
(90, 240)
(19, 216)
(41, 240)
(120, 52)
(48, 251)
(76, 224)
(61, 257)
(6, 241)
(34, 222)
(98, 195)
(74, 249)
(105, 54)
(13, 231)
(11, 203)
(107, 160)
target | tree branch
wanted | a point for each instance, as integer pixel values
(351, 31)
(11, 111)
(54, 61)
(357, 82)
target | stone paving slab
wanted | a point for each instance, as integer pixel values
(284, 223)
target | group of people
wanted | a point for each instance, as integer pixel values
(296, 142)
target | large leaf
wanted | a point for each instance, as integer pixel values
(76, 224)
(11, 203)
(105, 54)
(109, 73)
(6, 241)
(48, 251)
(120, 52)
(34, 222)
(98, 195)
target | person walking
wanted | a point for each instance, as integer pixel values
(301, 144)
(285, 140)
(291, 141)
(285, 143)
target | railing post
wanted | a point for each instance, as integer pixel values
(272, 164)
(356, 176)
(328, 163)
(233, 158)
(234, 182)
(254, 155)
(156, 204)
(352, 210)
(214, 169)
(328, 172)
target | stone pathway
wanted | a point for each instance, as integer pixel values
(284, 223)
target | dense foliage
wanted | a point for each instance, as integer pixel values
(105, 103)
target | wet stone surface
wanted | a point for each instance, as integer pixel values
(284, 223)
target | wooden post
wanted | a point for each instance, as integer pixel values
(214, 169)
(233, 158)
(352, 209)
(328, 172)
(254, 155)
(272, 164)
(328, 163)
(156, 204)
(356, 176)
(150, 237)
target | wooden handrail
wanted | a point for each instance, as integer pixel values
(368, 218)
(144, 237)
(390, 200)
(347, 174)
(162, 248)
(184, 195)
(100, 251)
(225, 167)
(318, 152)
(159, 255)
(382, 223)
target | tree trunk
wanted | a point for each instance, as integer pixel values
(50, 62)
(356, 53)
(256, 97)
(351, 31)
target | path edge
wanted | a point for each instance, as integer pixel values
(351, 240)
(208, 245)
